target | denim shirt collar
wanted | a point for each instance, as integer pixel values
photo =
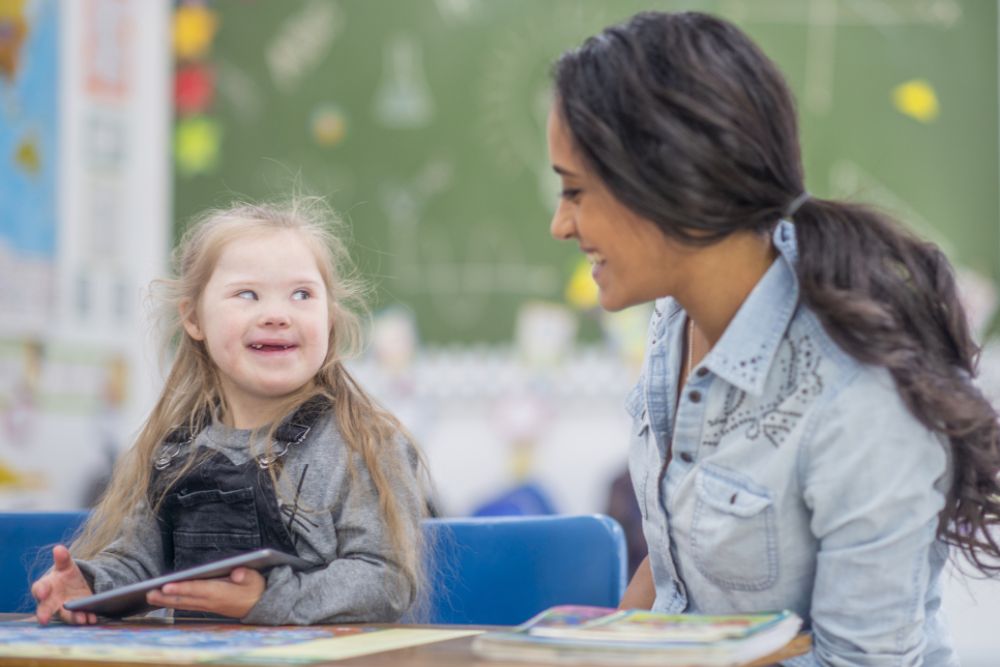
(744, 354)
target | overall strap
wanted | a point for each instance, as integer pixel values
(173, 445)
(294, 429)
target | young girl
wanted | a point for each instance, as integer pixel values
(806, 431)
(260, 438)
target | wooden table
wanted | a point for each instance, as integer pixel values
(448, 653)
(458, 652)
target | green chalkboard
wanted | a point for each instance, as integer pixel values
(423, 122)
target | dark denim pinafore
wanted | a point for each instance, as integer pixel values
(218, 509)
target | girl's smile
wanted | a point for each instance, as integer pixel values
(272, 346)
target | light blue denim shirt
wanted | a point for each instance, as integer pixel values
(798, 480)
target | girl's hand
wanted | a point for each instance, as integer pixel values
(60, 584)
(233, 596)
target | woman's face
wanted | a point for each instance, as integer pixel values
(633, 261)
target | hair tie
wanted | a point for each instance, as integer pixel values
(796, 204)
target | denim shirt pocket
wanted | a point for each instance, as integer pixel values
(733, 531)
(638, 456)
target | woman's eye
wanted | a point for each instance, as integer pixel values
(570, 194)
(301, 295)
(248, 294)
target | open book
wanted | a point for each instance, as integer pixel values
(601, 635)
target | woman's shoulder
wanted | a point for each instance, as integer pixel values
(846, 375)
(861, 410)
(807, 328)
(854, 396)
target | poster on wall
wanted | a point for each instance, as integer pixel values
(29, 55)
(29, 35)
(70, 267)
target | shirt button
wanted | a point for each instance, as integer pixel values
(686, 457)
(701, 372)
(695, 396)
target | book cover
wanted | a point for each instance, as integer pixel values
(603, 636)
(646, 626)
(566, 616)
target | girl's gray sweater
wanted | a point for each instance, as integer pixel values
(361, 582)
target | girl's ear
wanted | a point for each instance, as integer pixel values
(189, 318)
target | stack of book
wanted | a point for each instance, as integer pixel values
(601, 635)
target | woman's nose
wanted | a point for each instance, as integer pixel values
(562, 226)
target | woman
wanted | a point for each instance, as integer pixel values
(806, 431)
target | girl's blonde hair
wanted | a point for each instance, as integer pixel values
(192, 392)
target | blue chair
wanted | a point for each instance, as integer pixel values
(490, 571)
(503, 570)
(25, 539)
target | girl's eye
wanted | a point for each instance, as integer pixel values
(248, 294)
(570, 194)
(301, 295)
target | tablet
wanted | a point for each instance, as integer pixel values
(131, 599)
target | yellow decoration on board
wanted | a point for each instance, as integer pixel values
(917, 100)
(196, 145)
(194, 30)
(582, 291)
(329, 126)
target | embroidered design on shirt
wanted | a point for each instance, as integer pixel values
(776, 418)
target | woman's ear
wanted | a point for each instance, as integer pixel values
(189, 319)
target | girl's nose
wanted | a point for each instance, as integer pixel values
(275, 319)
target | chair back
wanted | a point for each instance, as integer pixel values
(486, 571)
(26, 539)
(503, 570)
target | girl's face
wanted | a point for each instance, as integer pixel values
(633, 262)
(264, 319)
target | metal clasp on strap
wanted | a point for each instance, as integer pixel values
(175, 441)
(265, 461)
(162, 462)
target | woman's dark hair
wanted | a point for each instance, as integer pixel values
(692, 127)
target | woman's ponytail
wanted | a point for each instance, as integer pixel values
(889, 299)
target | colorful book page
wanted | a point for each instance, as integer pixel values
(201, 643)
(340, 648)
(170, 644)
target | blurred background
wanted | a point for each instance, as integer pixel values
(422, 123)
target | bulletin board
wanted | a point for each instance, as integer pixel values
(423, 121)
